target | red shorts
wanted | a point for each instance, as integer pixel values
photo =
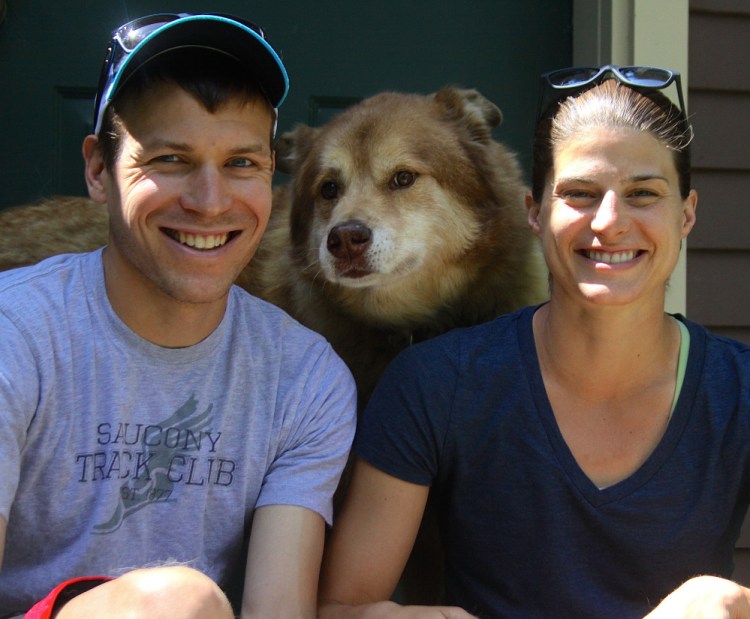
(62, 593)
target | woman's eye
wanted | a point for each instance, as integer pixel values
(403, 179)
(329, 190)
(577, 194)
(643, 197)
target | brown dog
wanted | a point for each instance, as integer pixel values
(402, 220)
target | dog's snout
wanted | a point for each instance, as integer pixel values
(349, 240)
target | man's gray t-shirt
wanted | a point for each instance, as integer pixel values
(117, 453)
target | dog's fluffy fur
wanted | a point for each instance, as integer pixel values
(57, 225)
(402, 220)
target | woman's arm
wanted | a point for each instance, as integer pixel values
(370, 543)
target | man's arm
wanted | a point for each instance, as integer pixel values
(283, 563)
(371, 541)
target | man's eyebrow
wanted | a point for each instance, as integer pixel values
(254, 147)
(158, 143)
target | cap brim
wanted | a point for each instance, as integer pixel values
(216, 33)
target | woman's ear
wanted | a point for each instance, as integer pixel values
(689, 206)
(95, 169)
(532, 213)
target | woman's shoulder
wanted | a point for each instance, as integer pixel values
(505, 339)
(719, 355)
(711, 338)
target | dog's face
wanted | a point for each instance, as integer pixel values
(380, 213)
(385, 196)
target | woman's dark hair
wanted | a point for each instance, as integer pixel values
(213, 79)
(611, 104)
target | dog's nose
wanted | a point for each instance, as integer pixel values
(349, 240)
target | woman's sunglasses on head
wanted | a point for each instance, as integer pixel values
(561, 83)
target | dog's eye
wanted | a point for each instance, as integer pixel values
(402, 179)
(329, 190)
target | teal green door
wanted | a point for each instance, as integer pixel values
(336, 51)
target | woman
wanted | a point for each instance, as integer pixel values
(587, 456)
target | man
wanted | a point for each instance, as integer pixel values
(161, 431)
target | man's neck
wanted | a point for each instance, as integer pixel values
(154, 315)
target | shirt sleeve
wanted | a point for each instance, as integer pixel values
(403, 428)
(317, 436)
(19, 393)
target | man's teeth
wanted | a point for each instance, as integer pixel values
(611, 257)
(202, 242)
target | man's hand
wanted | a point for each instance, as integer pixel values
(705, 597)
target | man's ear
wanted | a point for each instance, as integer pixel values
(95, 169)
(532, 214)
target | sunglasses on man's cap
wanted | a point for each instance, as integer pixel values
(140, 40)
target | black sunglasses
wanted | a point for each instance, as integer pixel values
(566, 82)
(126, 38)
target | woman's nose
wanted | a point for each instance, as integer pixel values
(611, 215)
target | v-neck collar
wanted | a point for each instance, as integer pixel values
(664, 449)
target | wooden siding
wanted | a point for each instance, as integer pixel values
(718, 256)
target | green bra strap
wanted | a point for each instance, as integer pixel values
(681, 362)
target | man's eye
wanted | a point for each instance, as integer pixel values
(241, 162)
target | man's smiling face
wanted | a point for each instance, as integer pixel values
(189, 195)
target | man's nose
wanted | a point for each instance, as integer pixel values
(206, 191)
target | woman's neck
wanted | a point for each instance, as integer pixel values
(605, 350)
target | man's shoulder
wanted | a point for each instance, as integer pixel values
(271, 316)
(50, 271)
(47, 282)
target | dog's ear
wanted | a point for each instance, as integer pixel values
(292, 147)
(477, 114)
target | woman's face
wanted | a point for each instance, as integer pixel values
(611, 218)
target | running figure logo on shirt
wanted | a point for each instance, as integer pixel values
(153, 459)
